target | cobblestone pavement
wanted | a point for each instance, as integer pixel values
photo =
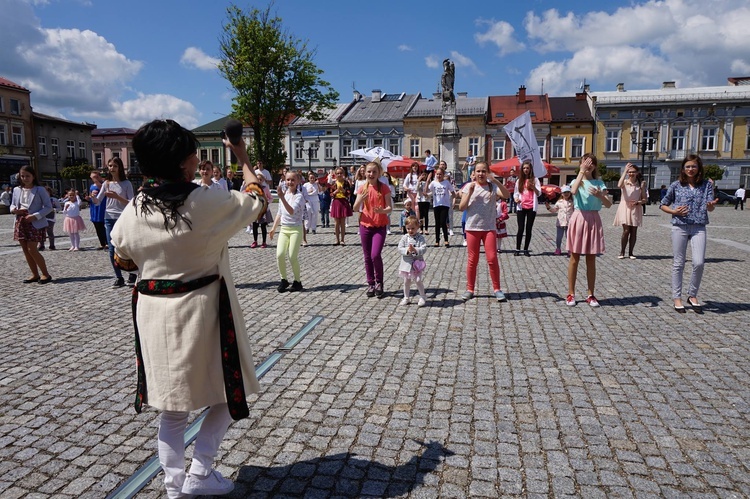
(478, 399)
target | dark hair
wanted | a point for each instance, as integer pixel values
(30, 170)
(427, 151)
(162, 146)
(698, 176)
(595, 171)
(120, 168)
(638, 176)
(522, 177)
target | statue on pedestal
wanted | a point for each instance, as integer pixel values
(447, 81)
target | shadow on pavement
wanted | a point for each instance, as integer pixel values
(626, 301)
(341, 288)
(63, 280)
(719, 307)
(340, 475)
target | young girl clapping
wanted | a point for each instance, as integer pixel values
(73, 223)
(412, 247)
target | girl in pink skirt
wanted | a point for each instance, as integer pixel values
(73, 223)
(585, 232)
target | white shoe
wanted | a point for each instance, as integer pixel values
(212, 485)
(248, 230)
(421, 302)
(388, 232)
(450, 232)
(405, 301)
(463, 243)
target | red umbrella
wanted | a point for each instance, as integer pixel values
(502, 168)
(402, 167)
(550, 192)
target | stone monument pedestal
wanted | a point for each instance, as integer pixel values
(449, 138)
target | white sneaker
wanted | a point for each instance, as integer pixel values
(463, 243)
(450, 232)
(388, 232)
(212, 485)
(248, 230)
(405, 301)
(421, 302)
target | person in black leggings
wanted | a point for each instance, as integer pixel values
(423, 205)
(528, 189)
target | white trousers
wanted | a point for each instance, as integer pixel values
(172, 445)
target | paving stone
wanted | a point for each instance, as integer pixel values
(458, 399)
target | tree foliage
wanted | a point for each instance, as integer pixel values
(274, 78)
(714, 172)
(76, 171)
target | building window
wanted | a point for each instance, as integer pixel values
(2, 104)
(613, 141)
(71, 147)
(745, 177)
(15, 107)
(16, 132)
(678, 141)
(558, 147)
(498, 150)
(361, 143)
(204, 155)
(54, 148)
(328, 148)
(98, 160)
(82, 150)
(650, 137)
(414, 148)
(377, 142)
(297, 151)
(708, 139)
(674, 173)
(42, 146)
(393, 146)
(215, 158)
(133, 169)
(747, 142)
(542, 145)
(3, 135)
(576, 147)
(346, 149)
(115, 154)
(474, 146)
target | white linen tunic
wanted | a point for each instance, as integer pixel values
(179, 333)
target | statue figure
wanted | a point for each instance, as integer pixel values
(447, 81)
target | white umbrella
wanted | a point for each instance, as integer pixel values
(372, 153)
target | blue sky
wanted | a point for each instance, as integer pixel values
(124, 63)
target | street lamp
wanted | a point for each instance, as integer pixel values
(312, 150)
(645, 144)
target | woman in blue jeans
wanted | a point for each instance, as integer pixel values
(118, 192)
(689, 200)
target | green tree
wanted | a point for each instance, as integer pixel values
(714, 172)
(274, 77)
(76, 171)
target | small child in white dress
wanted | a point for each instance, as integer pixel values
(73, 223)
(412, 247)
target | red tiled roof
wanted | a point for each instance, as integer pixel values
(505, 108)
(7, 83)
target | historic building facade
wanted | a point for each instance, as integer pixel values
(571, 134)
(17, 141)
(61, 143)
(657, 128)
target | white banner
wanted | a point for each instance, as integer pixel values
(520, 131)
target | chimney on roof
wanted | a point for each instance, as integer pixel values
(376, 95)
(357, 96)
(436, 95)
(463, 94)
(668, 84)
(522, 94)
(587, 88)
(620, 87)
(580, 95)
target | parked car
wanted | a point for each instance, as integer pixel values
(725, 198)
(274, 194)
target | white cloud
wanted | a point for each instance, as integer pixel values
(145, 108)
(642, 45)
(431, 61)
(405, 48)
(196, 58)
(77, 73)
(501, 34)
(461, 60)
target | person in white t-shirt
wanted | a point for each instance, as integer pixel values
(740, 199)
(442, 193)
